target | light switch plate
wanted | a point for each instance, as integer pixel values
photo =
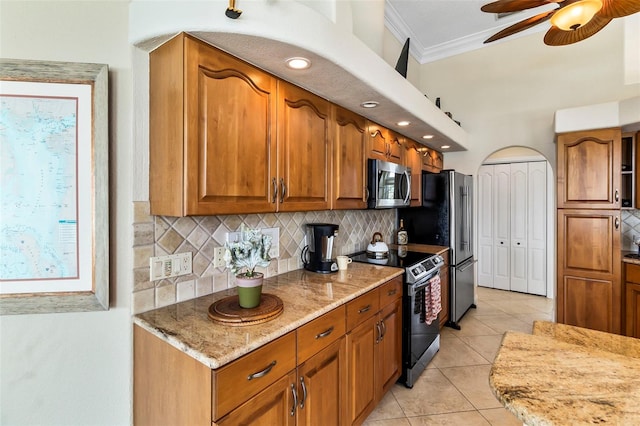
(169, 266)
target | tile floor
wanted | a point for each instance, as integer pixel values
(454, 389)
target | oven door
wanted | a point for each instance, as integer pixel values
(418, 335)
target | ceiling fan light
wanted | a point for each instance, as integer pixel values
(575, 15)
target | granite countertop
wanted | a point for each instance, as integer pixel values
(562, 374)
(423, 248)
(305, 296)
(629, 259)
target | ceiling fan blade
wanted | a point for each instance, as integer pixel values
(619, 8)
(504, 6)
(557, 37)
(521, 26)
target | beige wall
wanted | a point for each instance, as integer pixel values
(75, 368)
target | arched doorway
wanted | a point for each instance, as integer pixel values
(515, 205)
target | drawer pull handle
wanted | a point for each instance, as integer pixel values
(379, 334)
(295, 400)
(391, 292)
(325, 333)
(304, 392)
(365, 309)
(383, 327)
(261, 373)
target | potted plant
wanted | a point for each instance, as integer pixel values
(243, 256)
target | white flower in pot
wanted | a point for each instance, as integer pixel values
(242, 257)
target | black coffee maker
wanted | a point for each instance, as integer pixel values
(317, 255)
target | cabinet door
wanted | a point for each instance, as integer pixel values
(378, 142)
(396, 142)
(273, 406)
(349, 161)
(304, 144)
(322, 387)
(502, 227)
(361, 367)
(633, 310)
(518, 227)
(444, 290)
(589, 288)
(485, 226)
(589, 169)
(230, 147)
(389, 347)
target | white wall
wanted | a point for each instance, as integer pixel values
(75, 369)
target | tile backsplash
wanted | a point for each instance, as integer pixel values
(630, 228)
(161, 235)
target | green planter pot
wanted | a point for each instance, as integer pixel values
(249, 290)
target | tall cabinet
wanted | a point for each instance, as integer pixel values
(512, 227)
(589, 291)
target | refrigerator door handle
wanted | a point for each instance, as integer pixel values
(464, 266)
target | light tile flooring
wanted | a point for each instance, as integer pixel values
(454, 389)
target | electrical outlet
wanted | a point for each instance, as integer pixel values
(170, 266)
(218, 257)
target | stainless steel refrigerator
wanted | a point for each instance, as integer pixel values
(446, 219)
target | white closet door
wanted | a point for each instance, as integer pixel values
(519, 227)
(537, 228)
(485, 226)
(501, 226)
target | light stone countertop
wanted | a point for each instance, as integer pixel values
(305, 296)
(568, 375)
(628, 259)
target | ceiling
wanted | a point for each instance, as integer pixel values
(442, 28)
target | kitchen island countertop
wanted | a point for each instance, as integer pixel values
(562, 374)
(305, 296)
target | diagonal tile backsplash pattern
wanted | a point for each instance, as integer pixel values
(161, 235)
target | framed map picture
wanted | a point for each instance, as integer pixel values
(54, 211)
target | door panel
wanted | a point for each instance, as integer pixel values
(518, 226)
(485, 226)
(501, 222)
(537, 228)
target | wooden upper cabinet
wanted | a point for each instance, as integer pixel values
(349, 161)
(432, 161)
(589, 268)
(384, 144)
(304, 146)
(212, 146)
(589, 169)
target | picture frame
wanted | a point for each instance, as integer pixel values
(54, 194)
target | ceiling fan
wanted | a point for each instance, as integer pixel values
(571, 22)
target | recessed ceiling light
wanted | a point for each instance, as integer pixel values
(427, 137)
(445, 146)
(298, 63)
(403, 123)
(369, 104)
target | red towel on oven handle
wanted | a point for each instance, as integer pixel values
(432, 300)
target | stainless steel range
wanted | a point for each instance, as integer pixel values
(420, 330)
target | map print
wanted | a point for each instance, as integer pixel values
(38, 188)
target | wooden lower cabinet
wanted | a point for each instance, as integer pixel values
(589, 290)
(444, 290)
(632, 300)
(276, 405)
(314, 375)
(374, 352)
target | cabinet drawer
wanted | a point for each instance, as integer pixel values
(390, 291)
(320, 333)
(632, 273)
(362, 308)
(245, 377)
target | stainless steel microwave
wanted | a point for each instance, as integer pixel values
(388, 185)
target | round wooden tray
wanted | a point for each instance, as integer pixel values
(228, 310)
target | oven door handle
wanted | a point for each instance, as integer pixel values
(416, 287)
